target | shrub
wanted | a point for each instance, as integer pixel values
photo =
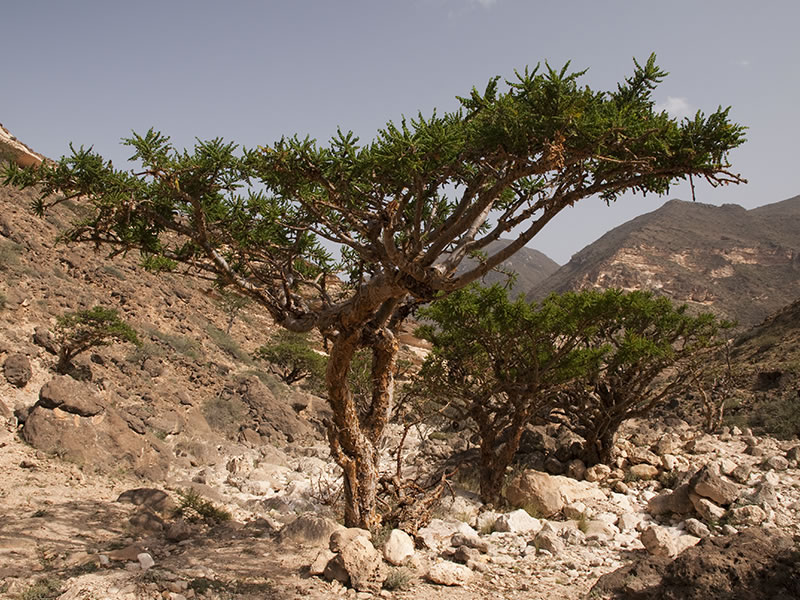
(196, 509)
(227, 344)
(79, 331)
(225, 415)
(292, 358)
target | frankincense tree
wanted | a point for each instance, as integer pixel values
(405, 208)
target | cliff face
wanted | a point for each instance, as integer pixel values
(741, 264)
(12, 149)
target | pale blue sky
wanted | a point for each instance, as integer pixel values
(92, 71)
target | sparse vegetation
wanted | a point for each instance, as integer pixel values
(406, 208)
(293, 359)
(45, 588)
(225, 415)
(227, 344)
(9, 254)
(398, 578)
(196, 509)
(181, 344)
(80, 331)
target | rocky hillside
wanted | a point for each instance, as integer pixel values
(529, 266)
(742, 264)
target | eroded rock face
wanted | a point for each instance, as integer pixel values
(69, 420)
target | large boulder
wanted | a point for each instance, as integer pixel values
(17, 370)
(676, 501)
(708, 483)
(399, 547)
(71, 421)
(548, 494)
(360, 564)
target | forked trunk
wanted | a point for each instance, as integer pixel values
(354, 438)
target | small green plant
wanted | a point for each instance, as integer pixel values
(43, 589)
(196, 509)
(79, 331)
(582, 522)
(399, 578)
(231, 304)
(292, 358)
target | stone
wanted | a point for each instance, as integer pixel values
(17, 370)
(668, 462)
(793, 454)
(742, 473)
(576, 469)
(621, 487)
(550, 541)
(598, 472)
(342, 537)
(553, 466)
(643, 456)
(471, 541)
(362, 563)
(748, 515)
(643, 472)
(629, 521)
(707, 510)
(765, 495)
(518, 521)
(548, 494)
(399, 547)
(155, 499)
(696, 528)
(438, 533)
(145, 561)
(485, 521)
(576, 510)
(676, 501)
(310, 529)
(449, 573)
(42, 337)
(668, 443)
(178, 530)
(70, 420)
(726, 466)
(601, 530)
(682, 542)
(708, 483)
(321, 561)
(777, 463)
(659, 542)
(71, 396)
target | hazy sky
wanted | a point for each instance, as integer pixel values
(91, 71)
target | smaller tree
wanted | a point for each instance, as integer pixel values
(292, 357)
(651, 350)
(494, 364)
(79, 331)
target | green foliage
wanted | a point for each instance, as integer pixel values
(494, 363)
(293, 358)
(79, 331)
(407, 208)
(45, 588)
(398, 578)
(196, 509)
(651, 350)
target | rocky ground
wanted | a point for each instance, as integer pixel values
(94, 465)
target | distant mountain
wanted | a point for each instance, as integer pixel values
(531, 268)
(742, 264)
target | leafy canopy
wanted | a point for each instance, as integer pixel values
(446, 184)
